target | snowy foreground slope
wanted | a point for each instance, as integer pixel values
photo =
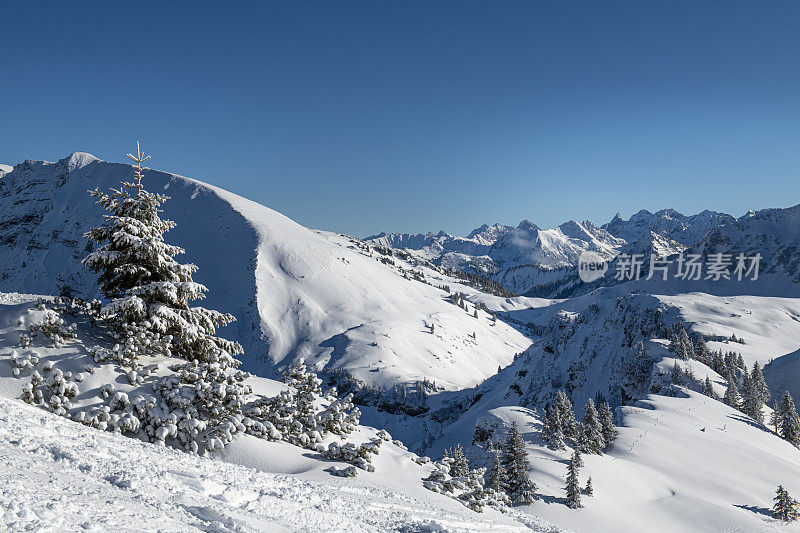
(295, 292)
(56, 474)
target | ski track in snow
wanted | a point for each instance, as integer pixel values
(56, 475)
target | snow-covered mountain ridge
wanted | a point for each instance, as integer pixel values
(526, 257)
(295, 292)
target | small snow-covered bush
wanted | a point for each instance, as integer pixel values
(359, 456)
(469, 489)
(23, 361)
(59, 389)
(52, 326)
(297, 415)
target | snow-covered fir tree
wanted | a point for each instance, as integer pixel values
(788, 420)
(681, 346)
(589, 490)
(636, 371)
(708, 388)
(785, 507)
(731, 397)
(552, 433)
(573, 487)
(459, 467)
(752, 398)
(569, 425)
(520, 487)
(760, 384)
(591, 431)
(677, 374)
(701, 352)
(607, 423)
(138, 273)
(497, 478)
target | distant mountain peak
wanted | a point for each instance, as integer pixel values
(78, 160)
(527, 225)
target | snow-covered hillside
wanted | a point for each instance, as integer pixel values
(122, 483)
(682, 461)
(295, 292)
(58, 476)
(439, 358)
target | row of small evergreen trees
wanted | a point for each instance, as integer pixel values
(592, 435)
(510, 469)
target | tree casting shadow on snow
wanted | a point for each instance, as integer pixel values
(758, 510)
(750, 422)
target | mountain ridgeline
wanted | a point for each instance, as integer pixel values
(531, 261)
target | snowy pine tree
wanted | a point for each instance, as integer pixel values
(788, 420)
(701, 352)
(520, 487)
(589, 490)
(591, 440)
(498, 478)
(731, 397)
(566, 416)
(688, 347)
(607, 423)
(760, 383)
(552, 433)
(708, 389)
(677, 374)
(785, 507)
(147, 287)
(573, 487)
(752, 398)
(459, 467)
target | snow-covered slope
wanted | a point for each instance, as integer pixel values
(57, 475)
(679, 464)
(682, 461)
(122, 483)
(295, 292)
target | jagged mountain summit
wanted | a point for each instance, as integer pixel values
(667, 223)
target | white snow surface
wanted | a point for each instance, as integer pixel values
(56, 475)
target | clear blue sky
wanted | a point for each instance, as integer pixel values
(415, 116)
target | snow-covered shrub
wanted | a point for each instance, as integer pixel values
(359, 456)
(348, 471)
(25, 340)
(297, 415)
(31, 393)
(59, 389)
(23, 361)
(201, 402)
(469, 489)
(52, 326)
(136, 340)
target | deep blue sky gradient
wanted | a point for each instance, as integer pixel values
(412, 116)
